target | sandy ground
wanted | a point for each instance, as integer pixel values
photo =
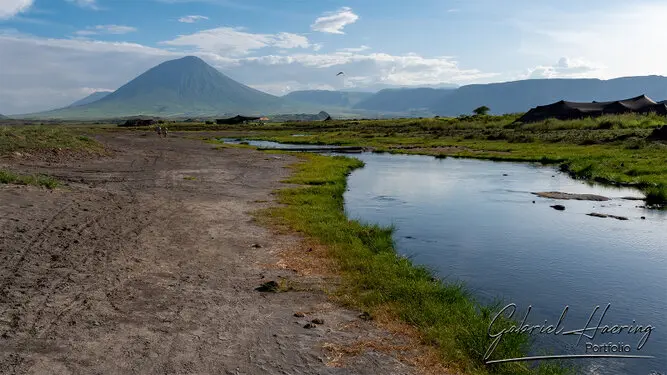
(131, 268)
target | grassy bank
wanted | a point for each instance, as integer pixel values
(609, 149)
(375, 279)
(8, 177)
(33, 139)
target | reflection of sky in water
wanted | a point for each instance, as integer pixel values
(469, 222)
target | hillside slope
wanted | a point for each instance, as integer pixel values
(182, 87)
(520, 96)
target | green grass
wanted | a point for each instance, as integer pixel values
(376, 279)
(7, 177)
(35, 138)
(608, 149)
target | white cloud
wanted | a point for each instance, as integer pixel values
(229, 41)
(334, 22)
(355, 49)
(627, 39)
(92, 4)
(28, 84)
(566, 68)
(10, 8)
(192, 19)
(106, 29)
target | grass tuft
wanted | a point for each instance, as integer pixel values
(35, 138)
(8, 177)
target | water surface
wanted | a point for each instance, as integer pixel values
(475, 221)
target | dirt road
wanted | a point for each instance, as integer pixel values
(143, 263)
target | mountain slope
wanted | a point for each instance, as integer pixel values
(520, 96)
(403, 100)
(345, 99)
(186, 87)
(97, 95)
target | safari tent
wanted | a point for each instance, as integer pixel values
(564, 110)
(235, 120)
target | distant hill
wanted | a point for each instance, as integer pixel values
(182, 87)
(97, 95)
(3, 117)
(404, 99)
(520, 96)
(344, 99)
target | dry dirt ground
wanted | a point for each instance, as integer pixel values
(143, 263)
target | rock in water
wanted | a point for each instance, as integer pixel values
(558, 207)
(595, 214)
(570, 196)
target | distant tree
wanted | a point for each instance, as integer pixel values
(483, 110)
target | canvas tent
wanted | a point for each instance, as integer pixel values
(564, 110)
(235, 120)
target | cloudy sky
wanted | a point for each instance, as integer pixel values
(53, 52)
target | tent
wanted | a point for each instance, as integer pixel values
(238, 119)
(564, 110)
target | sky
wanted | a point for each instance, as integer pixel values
(54, 52)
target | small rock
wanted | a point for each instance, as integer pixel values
(365, 316)
(96, 323)
(299, 314)
(505, 174)
(558, 207)
(269, 286)
(309, 249)
(256, 246)
(533, 202)
(643, 217)
(309, 326)
(317, 321)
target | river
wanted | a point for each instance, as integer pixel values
(477, 222)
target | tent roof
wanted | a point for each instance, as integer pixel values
(567, 109)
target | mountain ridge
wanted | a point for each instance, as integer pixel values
(95, 96)
(189, 87)
(520, 96)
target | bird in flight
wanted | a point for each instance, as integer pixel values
(340, 74)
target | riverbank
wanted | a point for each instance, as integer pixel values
(614, 150)
(377, 280)
(147, 259)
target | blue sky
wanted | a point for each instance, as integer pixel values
(53, 52)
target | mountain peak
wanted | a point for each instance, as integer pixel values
(183, 86)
